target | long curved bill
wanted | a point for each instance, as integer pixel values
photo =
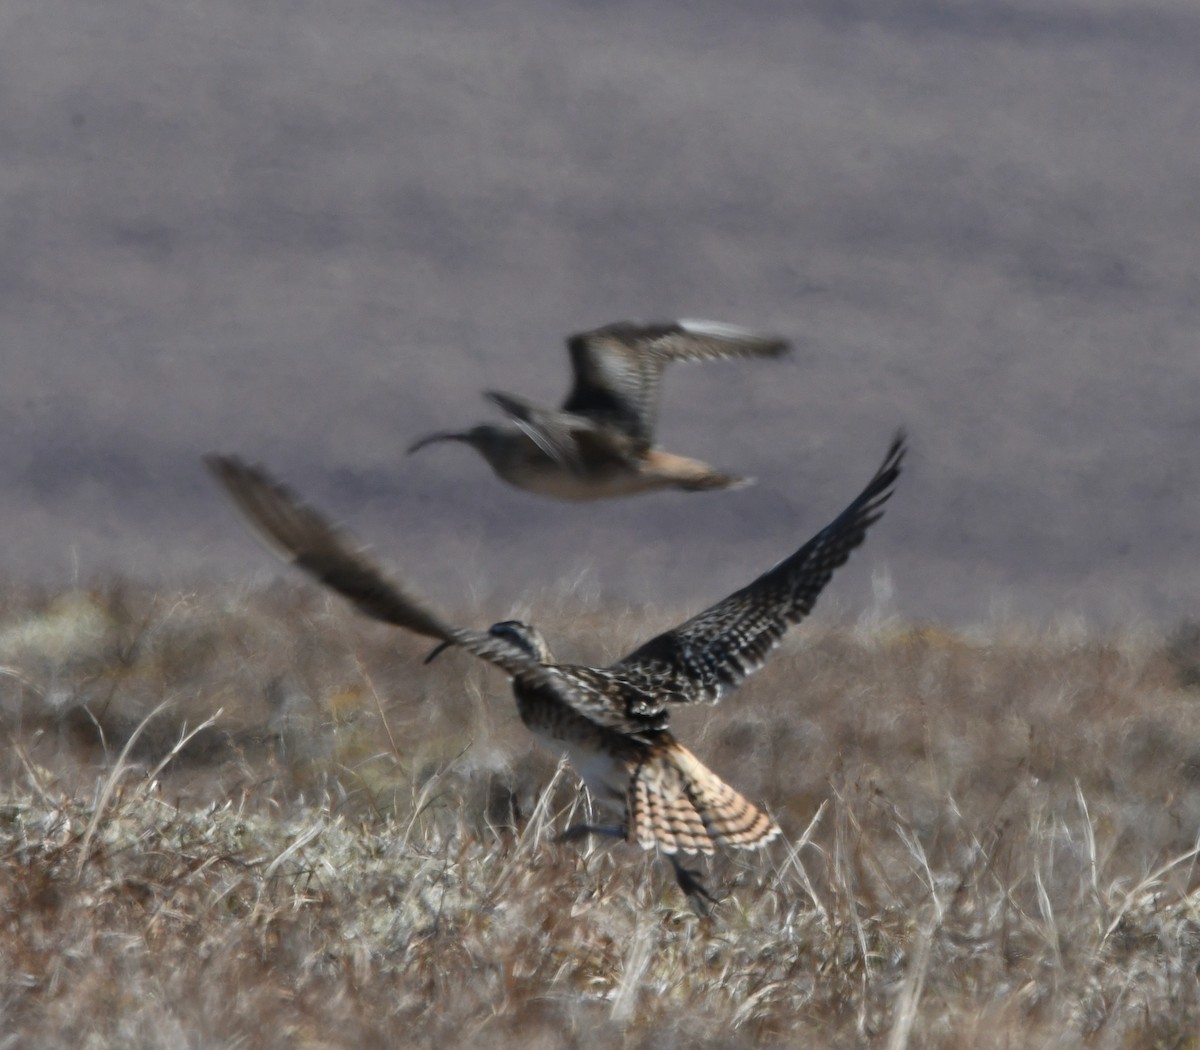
(436, 651)
(441, 435)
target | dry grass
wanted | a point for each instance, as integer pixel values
(992, 841)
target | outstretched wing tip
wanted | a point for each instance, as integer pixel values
(889, 469)
(767, 344)
(236, 475)
(220, 464)
(713, 652)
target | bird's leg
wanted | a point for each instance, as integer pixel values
(577, 831)
(689, 882)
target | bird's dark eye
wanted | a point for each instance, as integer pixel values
(514, 633)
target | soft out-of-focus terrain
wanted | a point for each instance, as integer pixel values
(234, 815)
(990, 839)
(311, 232)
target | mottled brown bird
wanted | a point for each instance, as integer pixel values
(609, 722)
(600, 443)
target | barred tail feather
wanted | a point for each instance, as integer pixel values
(678, 804)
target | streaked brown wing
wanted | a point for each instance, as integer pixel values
(608, 699)
(617, 367)
(302, 535)
(713, 653)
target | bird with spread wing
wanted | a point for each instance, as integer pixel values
(600, 443)
(609, 722)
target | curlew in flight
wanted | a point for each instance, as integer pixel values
(609, 722)
(600, 444)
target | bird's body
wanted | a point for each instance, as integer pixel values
(609, 722)
(599, 443)
(603, 758)
(522, 463)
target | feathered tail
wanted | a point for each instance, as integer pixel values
(678, 804)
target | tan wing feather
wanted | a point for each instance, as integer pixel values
(677, 804)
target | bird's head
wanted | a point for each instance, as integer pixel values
(520, 635)
(525, 637)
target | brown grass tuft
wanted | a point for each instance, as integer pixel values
(991, 840)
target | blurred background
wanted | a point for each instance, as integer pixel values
(309, 232)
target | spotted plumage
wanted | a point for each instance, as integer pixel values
(599, 444)
(609, 722)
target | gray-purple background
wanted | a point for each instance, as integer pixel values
(310, 231)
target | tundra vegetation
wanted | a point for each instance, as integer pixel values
(245, 817)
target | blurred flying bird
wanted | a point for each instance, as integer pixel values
(610, 723)
(600, 444)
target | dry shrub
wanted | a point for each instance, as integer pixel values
(317, 841)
